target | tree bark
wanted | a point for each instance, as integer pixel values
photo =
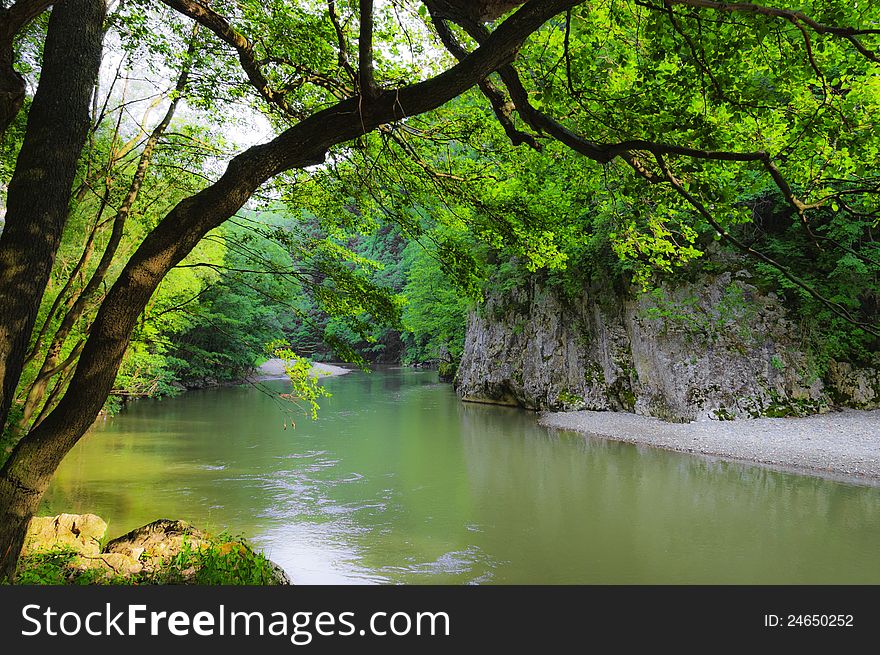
(51, 362)
(26, 474)
(12, 88)
(39, 192)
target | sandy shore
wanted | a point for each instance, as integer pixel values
(840, 444)
(274, 369)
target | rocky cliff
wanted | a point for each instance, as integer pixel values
(717, 349)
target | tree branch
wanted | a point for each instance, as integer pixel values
(12, 88)
(20, 14)
(366, 76)
(795, 17)
(343, 44)
(626, 150)
(178, 233)
(500, 105)
(210, 19)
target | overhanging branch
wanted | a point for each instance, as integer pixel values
(201, 13)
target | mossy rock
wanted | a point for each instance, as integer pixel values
(161, 552)
(447, 371)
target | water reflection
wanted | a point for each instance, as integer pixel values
(400, 482)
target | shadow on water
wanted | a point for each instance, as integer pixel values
(400, 482)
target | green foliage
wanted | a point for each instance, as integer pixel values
(848, 274)
(410, 310)
(223, 561)
(435, 313)
(244, 307)
(378, 253)
(59, 568)
(732, 314)
(447, 370)
(306, 387)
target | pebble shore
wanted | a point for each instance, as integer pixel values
(274, 368)
(845, 443)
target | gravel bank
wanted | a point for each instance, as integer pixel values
(274, 368)
(843, 443)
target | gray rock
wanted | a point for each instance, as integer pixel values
(855, 387)
(716, 349)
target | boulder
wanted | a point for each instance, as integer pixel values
(112, 564)
(154, 545)
(81, 533)
(854, 387)
(149, 550)
(281, 577)
(157, 542)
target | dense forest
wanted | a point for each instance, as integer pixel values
(191, 188)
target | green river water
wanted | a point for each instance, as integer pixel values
(398, 481)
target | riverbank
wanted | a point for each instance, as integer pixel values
(273, 369)
(845, 443)
(71, 549)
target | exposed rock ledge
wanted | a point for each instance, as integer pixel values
(145, 550)
(717, 349)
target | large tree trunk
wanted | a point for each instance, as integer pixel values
(39, 192)
(20, 492)
(26, 474)
(12, 87)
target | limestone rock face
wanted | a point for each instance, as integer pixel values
(713, 349)
(81, 533)
(854, 387)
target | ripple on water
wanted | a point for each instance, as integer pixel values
(453, 563)
(306, 455)
(318, 553)
(333, 509)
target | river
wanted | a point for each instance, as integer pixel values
(398, 481)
